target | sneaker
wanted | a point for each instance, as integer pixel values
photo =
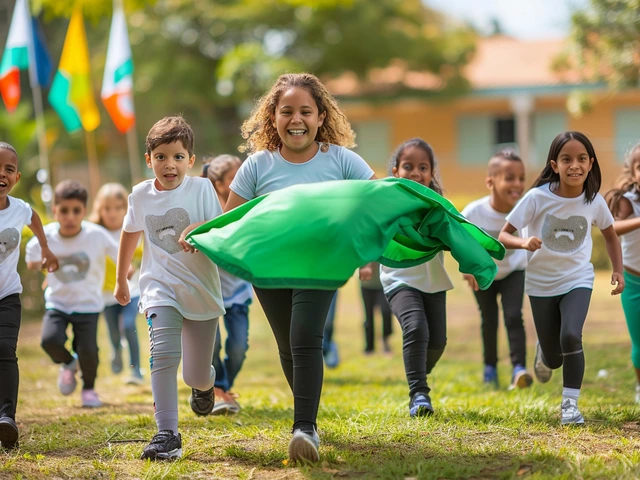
(491, 375)
(202, 401)
(570, 415)
(303, 447)
(638, 393)
(165, 445)
(116, 361)
(331, 358)
(67, 377)
(135, 378)
(543, 373)
(90, 399)
(8, 433)
(225, 403)
(520, 378)
(420, 405)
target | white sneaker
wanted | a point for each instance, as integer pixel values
(67, 377)
(543, 373)
(304, 447)
(570, 415)
(638, 393)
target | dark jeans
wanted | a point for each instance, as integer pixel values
(10, 313)
(85, 344)
(129, 313)
(236, 322)
(297, 319)
(372, 298)
(328, 325)
(423, 318)
(559, 322)
(511, 291)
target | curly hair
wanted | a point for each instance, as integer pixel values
(625, 183)
(260, 133)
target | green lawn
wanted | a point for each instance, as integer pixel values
(364, 424)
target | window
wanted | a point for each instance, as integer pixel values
(546, 126)
(481, 136)
(626, 131)
(373, 142)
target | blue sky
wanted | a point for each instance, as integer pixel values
(525, 19)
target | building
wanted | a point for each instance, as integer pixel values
(516, 99)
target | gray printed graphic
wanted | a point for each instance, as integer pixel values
(9, 241)
(564, 235)
(165, 230)
(73, 268)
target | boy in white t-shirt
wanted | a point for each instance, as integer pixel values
(180, 292)
(14, 215)
(74, 292)
(505, 180)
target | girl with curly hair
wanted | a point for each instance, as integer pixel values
(297, 135)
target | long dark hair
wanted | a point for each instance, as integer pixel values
(436, 183)
(591, 185)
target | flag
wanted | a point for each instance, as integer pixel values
(117, 84)
(71, 94)
(15, 56)
(41, 74)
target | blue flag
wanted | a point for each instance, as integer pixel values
(43, 59)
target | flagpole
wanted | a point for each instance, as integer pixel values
(92, 157)
(134, 159)
(41, 131)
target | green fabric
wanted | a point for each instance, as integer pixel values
(316, 235)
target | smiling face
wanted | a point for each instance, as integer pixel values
(9, 174)
(506, 184)
(572, 165)
(297, 120)
(170, 163)
(414, 163)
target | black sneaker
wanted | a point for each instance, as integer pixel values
(165, 445)
(420, 405)
(8, 433)
(202, 401)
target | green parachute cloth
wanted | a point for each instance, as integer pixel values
(316, 235)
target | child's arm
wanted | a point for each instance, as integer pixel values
(509, 240)
(128, 244)
(49, 261)
(623, 224)
(471, 280)
(615, 255)
(234, 201)
(186, 246)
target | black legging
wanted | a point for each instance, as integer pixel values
(423, 318)
(559, 321)
(297, 319)
(371, 298)
(10, 312)
(511, 290)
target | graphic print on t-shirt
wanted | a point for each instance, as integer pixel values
(9, 241)
(73, 268)
(165, 230)
(564, 235)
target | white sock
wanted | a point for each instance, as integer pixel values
(573, 393)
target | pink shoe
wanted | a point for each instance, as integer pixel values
(67, 377)
(90, 399)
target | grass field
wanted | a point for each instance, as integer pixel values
(364, 424)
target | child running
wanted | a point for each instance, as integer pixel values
(297, 135)
(373, 296)
(505, 180)
(624, 203)
(14, 215)
(418, 295)
(73, 295)
(179, 291)
(558, 211)
(237, 295)
(109, 209)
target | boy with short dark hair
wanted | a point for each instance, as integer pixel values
(74, 292)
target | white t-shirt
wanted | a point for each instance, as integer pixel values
(267, 171)
(481, 213)
(235, 291)
(631, 241)
(76, 287)
(170, 277)
(563, 263)
(429, 277)
(12, 221)
(134, 291)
